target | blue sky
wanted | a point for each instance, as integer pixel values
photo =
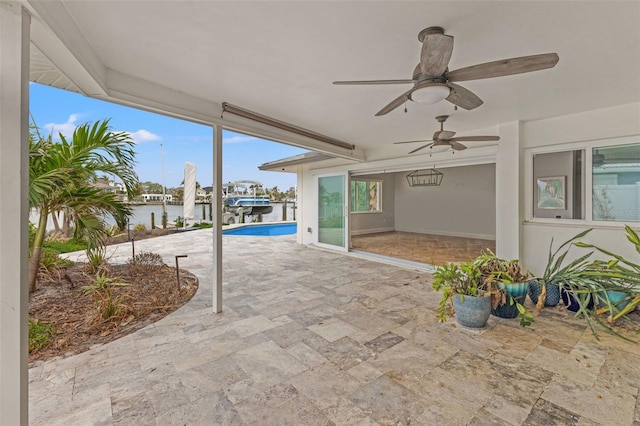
(61, 111)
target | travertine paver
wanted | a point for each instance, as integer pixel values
(309, 337)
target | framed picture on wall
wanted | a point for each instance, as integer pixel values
(552, 192)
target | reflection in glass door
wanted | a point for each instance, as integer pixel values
(332, 223)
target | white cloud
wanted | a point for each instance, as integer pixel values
(239, 139)
(68, 128)
(143, 136)
(65, 128)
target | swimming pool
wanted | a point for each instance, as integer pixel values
(268, 230)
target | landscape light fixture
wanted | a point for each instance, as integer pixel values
(254, 116)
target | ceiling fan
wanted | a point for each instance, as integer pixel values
(432, 81)
(446, 138)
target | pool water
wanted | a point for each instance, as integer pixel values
(268, 230)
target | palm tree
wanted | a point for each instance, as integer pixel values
(60, 178)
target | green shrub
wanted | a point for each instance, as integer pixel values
(146, 258)
(65, 246)
(180, 222)
(140, 227)
(112, 231)
(203, 225)
(41, 334)
(107, 304)
(51, 261)
(96, 258)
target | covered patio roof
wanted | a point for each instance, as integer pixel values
(285, 164)
(280, 59)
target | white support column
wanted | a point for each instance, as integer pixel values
(217, 218)
(14, 212)
(300, 217)
(508, 203)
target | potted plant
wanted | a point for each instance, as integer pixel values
(545, 291)
(590, 287)
(618, 279)
(464, 292)
(508, 286)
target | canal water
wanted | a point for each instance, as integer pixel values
(142, 214)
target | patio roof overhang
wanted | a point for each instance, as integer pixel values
(288, 164)
(279, 59)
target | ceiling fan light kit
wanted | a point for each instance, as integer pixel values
(430, 94)
(432, 81)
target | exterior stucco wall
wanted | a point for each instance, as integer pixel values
(555, 133)
(502, 178)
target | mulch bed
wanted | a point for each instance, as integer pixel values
(151, 293)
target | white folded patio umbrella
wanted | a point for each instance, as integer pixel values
(189, 198)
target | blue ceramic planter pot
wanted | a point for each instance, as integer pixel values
(472, 311)
(515, 291)
(571, 303)
(617, 299)
(553, 293)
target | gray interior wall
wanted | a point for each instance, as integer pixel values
(463, 205)
(362, 223)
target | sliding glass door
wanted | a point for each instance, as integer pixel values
(333, 195)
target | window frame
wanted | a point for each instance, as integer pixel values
(587, 147)
(354, 180)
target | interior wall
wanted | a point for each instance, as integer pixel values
(370, 222)
(463, 205)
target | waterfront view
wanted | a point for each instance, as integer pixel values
(142, 214)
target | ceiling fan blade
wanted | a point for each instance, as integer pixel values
(368, 82)
(435, 54)
(395, 103)
(421, 140)
(457, 146)
(504, 67)
(475, 138)
(422, 147)
(464, 98)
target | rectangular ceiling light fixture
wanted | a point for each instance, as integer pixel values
(254, 116)
(431, 177)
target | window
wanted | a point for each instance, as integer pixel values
(558, 179)
(597, 181)
(365, 196)
(616, 183)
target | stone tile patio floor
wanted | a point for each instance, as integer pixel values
(309, 337)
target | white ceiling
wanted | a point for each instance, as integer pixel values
(279, 59)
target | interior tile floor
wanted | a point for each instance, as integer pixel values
(311, 337)
(423, 248)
